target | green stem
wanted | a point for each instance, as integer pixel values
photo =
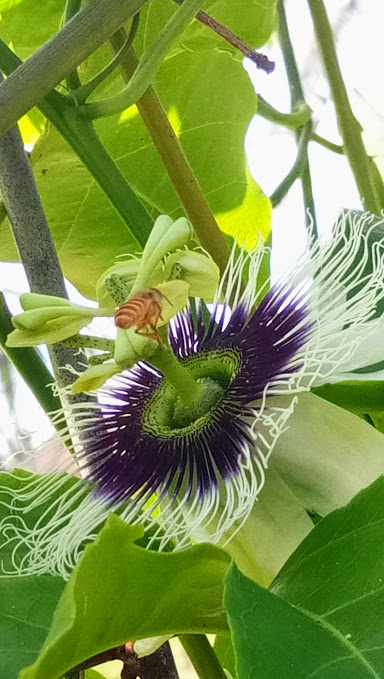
(83, 92)
(82, 137)
(176, 164)
(30, 366)
(148, 65)
(377, 182)
(297, 118)
(32, 235)
(336, 148)
(68, 48)
(202, 656)
(72, 7)
(350, 128)
(297, 99)
(296, 171)
(179, 377)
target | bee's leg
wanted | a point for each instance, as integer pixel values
(151, 333)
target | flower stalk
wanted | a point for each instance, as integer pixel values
(177, 375)
(202, 656)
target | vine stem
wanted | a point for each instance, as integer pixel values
(176, 163)
(297, 118)
(297, 99)
(33, 238)
(67, 49)
(330, 145)
(71, 8)
(202, 656)
(296, 170)
(350, 128)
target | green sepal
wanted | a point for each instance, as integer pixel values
(166, 237)
(94, 377)
(33, 300)
(196, 269)
(125, 274)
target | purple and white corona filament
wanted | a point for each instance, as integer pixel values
(197, 469)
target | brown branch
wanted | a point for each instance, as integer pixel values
(157, 665)
(261, 60)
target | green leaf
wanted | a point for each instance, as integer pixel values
(120, 591)
(324, 614)
(210, 115)
(93, 674)
(253, 22)
(26, 609)
(358, 396)
(27, 24)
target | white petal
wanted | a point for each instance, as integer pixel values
(275, 527)
(327, 454)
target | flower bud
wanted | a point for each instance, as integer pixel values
(49, 324)
(32, 300)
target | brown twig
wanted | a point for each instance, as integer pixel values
(157, 665)
(261, 60)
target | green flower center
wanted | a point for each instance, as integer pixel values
(165, 415)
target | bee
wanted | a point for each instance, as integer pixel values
(143, 310)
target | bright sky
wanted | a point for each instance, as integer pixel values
(271, 151)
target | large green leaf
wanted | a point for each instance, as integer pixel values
(27, 24)
(26, 609)
(121, 591)
(210, 101)
(324, 615)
